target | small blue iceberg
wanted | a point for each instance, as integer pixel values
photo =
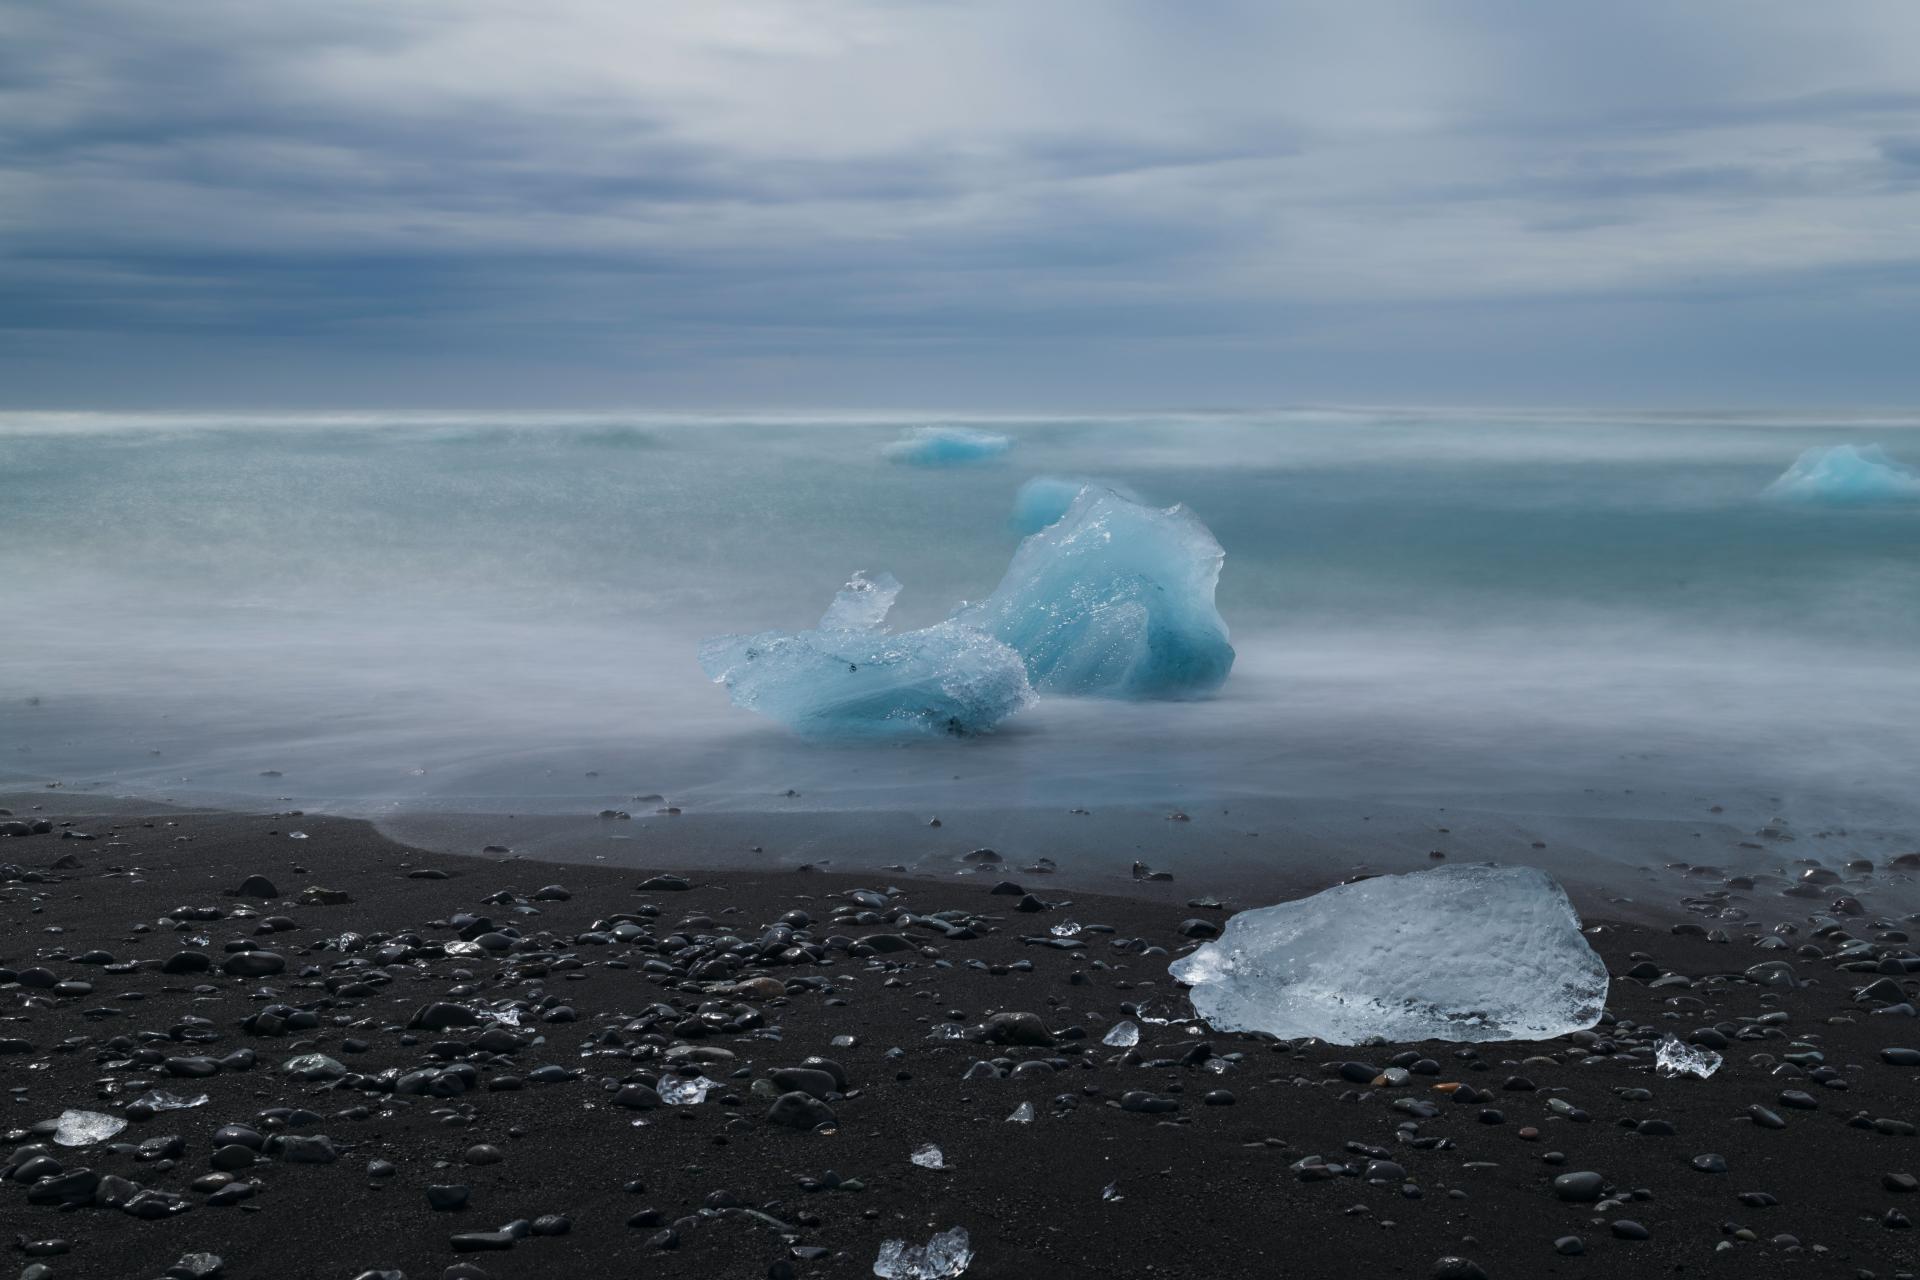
(852, 677)
(1845, 475)
(1114, 599)
(946, 447)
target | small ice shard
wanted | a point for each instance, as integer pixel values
(314, 1066)
(944, 1256)
(1122, 1035)
(946, 447)
(1114, 599)
(1672, 1058)
(1022, 1114)
(1065, 929)
(84, 1128)
(852, 677)
(1044, 499)
(1845, 475)
(679, 1091)
(296, 835)
(1111, 1193)
(1457, 952)
(928, 1156)
(166, 1100)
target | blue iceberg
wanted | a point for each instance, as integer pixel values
(1845, 476)
(853, 677)
(1113, 599)
(946, 447)
(1044, 499)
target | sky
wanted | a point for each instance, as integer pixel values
(958, 204)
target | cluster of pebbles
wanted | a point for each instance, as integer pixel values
(407, 1067)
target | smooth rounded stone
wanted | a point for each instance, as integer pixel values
(1710, 1163)
(1359, 1072)
(798, 1110)
(1901, 1057)
(552, 893)
(1141, 1100)
(238, 1135)
(1018, 1029)
(481, 1241)
(667, 884)
(1569, 1246)
(306, 1149)
(187, 962)
(813, 1062)
(1198, 928)
(1797, 1100)
(818, 1084)
(483, 1154)
(196, 1067)
(381, 1273)
(637, 1097)
(446, 1198)
(1453, 1268)
(231, 1158)
(1900, 1183)
(1628, 1229)
(552, 1224)
(1764, 1118)
(254, 964)
(442, 1015)
(256, 886)
(1219, 1098)
(1583, 1187)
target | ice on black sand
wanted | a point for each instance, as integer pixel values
(1458, 953)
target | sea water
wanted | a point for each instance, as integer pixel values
(1550, 618)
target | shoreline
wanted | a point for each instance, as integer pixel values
(1198, 1189)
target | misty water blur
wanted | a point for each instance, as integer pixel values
(385, 615)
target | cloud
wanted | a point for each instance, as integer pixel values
(613, 200)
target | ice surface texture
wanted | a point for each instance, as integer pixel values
(1845, 475)
(1453, 953)
(946, 447)
(1114, 599)
(944, 1256)
(1044, 499)
(853, 677)
(1672, 1058)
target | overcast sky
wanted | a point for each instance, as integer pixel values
(1046, 204)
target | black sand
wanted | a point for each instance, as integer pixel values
(716, 1190)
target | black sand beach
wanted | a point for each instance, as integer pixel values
(545, 1131)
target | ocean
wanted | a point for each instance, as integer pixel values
(1548, 624)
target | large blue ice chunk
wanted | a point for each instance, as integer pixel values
(946, 447)
(1453, 953)
(1113, 599)
(1846, 475)
(852, 677)
(1044, 499)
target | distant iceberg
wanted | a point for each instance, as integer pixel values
(946, 447)
(1113, 599)
(853, 677)
(1845, 476)
(1460, 953)
(1044, 499)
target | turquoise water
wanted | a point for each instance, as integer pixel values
(490, 613)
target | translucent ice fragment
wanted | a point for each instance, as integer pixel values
(1065, 929)
(1113, 599)
(1111, 1193)
(84, 1128)
(1022, 1114)
(1672, 1058)
(942, 1257)
(946, 447)
(928, 1156)
(1458, 953)
(314, 1066)
(167, 1100)
(1122, 1035)
(1846, 475)
(851, 677)
(679, 1091)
